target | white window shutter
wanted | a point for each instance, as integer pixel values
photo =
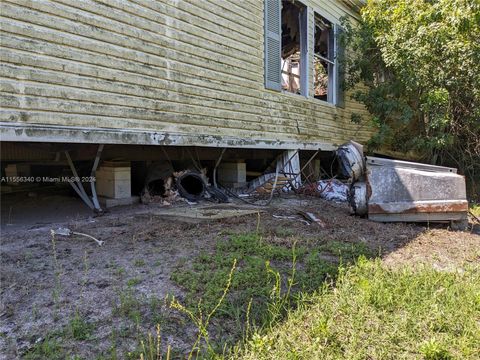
(273, 44)
(339, 68)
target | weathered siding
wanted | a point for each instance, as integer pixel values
(190, 67)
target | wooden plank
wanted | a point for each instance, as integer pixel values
(87, 37)
(159, 104)
(269, 115)
(161, 9)
(124, 11)
(197, 9)
(283, 103)
(134, 26)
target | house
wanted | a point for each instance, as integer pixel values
(249, 75)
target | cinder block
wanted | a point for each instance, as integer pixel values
(114, 182)
(232, 173)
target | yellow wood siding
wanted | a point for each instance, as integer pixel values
(184, 67)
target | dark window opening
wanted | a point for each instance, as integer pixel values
(293, 52)
(324, 62)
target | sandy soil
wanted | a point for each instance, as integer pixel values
(45, 279)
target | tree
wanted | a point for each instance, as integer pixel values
(419, 65)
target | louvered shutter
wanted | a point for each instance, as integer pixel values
(339, 68)
(273, 44)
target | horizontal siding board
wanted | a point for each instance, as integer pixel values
(166, 112)
(63, 92)
(269, 116)
(129, 12)
(294, 104)
(197, 9)
(171, 12)
(224, 10)
(172, 66)
(140, 61)
(136, 27)
(248, 11)
(105, 122)
(166, 104)
(164, 48)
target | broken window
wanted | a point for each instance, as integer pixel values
(294, 45)
(324, 60)
(287, 57)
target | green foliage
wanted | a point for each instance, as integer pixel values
(129, 305)
(79, 328)
(347, 252)
(133, 282)
(432, 350)
(139, 262)
(268, 277)
(374, 312)
(418, 60)
(47, 349)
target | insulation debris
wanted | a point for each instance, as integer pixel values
(333, 190)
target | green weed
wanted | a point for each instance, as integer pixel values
(78, 328)
(47, 349)
(139, 262)
(133, 281)
(129, 305)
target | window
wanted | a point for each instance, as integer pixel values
(286, 46)
(287, 52)
(323, 60)
(294, 47)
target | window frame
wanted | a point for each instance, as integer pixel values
(335, 95)
(303, 25)
(332, 95)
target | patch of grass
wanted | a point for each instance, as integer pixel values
(133, 281)
(139, 262)
(284, 232)
(434, 350)
(253, 280)
(374, 312)
(346, 252)
(157, 316)
(157, 263)
(79, 328)
(316, 271)
(129, 305)
(49, 348)
(206, 277)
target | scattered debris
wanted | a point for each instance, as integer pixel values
(333, 190)
(68, 232)
(217, 194)
(285, 217)
(312, 218)
(159, 184)
(164, 185)
(205, 213)
(265, 184)
(474, 216)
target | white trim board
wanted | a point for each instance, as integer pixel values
(65, 134)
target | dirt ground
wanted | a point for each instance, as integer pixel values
(45, 280)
